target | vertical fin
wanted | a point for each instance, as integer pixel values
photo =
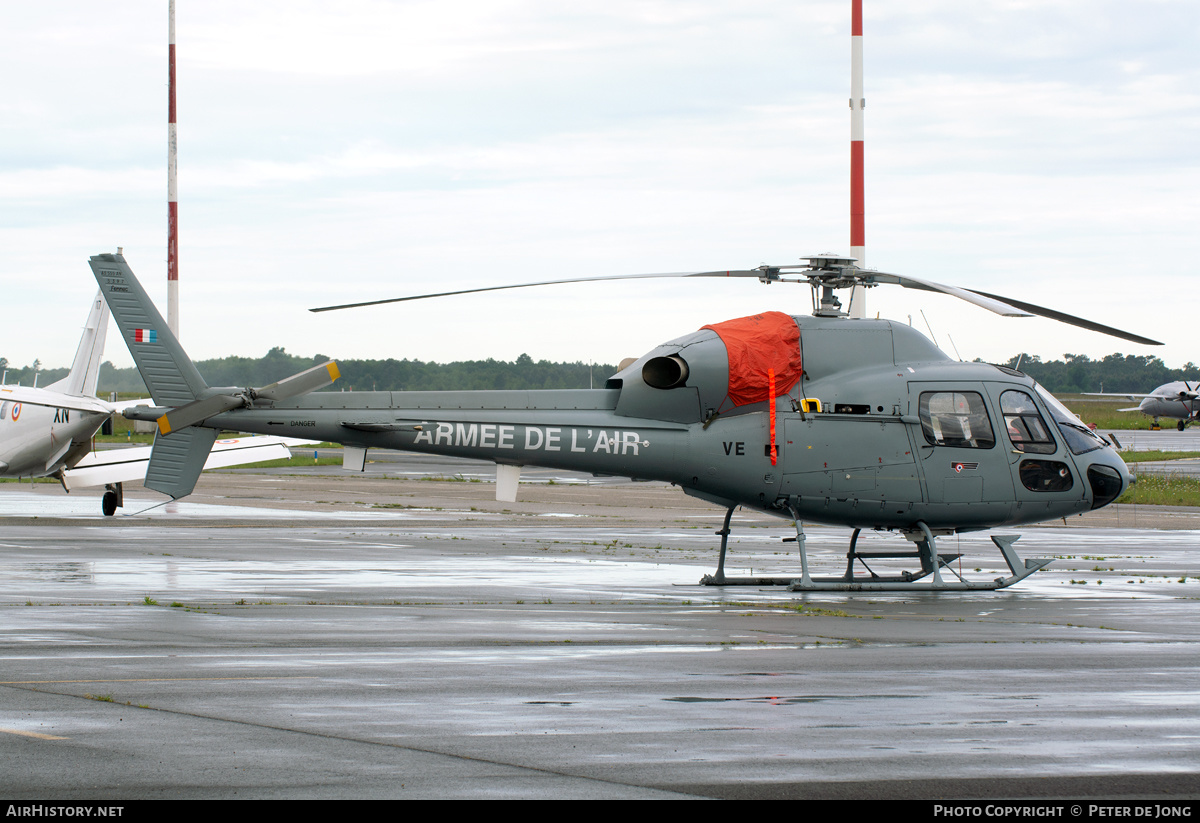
(176, 461)
(167, 371)
(85, 370)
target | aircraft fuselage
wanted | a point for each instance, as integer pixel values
(36, 440)
(915, 437)
(1159, 405)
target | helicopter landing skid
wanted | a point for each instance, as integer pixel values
(928, 578)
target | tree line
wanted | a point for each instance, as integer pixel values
(357, 375)
(1125, 373)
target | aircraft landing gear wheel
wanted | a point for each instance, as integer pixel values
(108, 503)
(1180, 425)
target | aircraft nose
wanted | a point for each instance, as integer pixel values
(1108, 478)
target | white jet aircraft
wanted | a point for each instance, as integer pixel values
(47, 432)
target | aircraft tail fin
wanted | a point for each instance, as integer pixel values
(176, 461)
(166, 369)
(85, 370)
(169, 374)
(183, 441)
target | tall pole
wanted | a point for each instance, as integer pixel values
(172, 186)
(858, 231)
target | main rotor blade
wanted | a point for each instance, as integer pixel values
(1007, 306)
(747, 273)
(1071, 320)
(990, 302)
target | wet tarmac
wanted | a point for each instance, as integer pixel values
(367, 636)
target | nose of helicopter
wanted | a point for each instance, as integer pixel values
(1108, 477)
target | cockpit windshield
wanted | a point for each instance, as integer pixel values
(1080, 439)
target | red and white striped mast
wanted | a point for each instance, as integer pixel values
(858, 231)
(172, 186)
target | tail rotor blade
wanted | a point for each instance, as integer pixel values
(190, 414)
(198, 411)
(318, 377)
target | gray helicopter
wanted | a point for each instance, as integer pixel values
(822, 419)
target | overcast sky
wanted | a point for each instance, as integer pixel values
(329, 153)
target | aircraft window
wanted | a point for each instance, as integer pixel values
(1080, 439)
(957, 418)
(4, 410)
(1026, 429)
(1046, 476)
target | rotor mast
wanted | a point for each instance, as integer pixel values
(858, 239)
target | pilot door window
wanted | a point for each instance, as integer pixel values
(1026, 429)
(956, 418)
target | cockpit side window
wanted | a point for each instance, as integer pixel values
(1027, 430)
(4, 410)
(956, 418)
(1080, 439)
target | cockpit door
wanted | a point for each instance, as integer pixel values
(962, 457)
(1040, 463)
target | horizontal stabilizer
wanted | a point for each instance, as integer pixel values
(129, 465)
(386, 426)
(53, 399)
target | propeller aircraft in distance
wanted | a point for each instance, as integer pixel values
(1179, 401)
(858, 423)
(47, 432)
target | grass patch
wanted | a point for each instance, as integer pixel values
(1103, 412)
(1163, 491)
